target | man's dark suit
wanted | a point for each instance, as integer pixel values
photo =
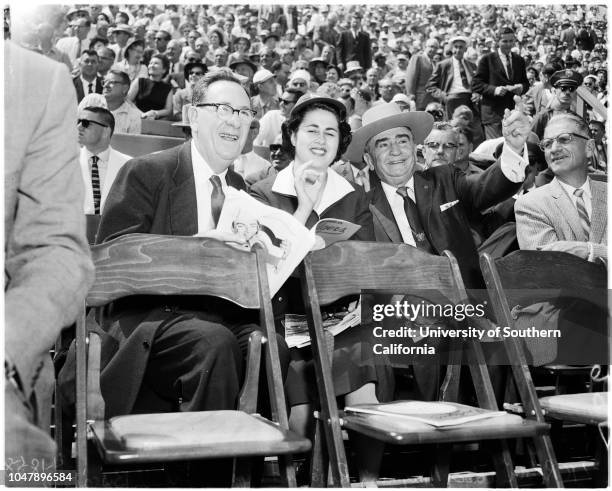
(446, 230)
(441, 81)
(491, 74)
(78, 85)
(355, 49)
(156, 194)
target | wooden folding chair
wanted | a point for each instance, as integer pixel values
(137, 145)
(144, 264)
(159, 127)
(347, 268)
(527, 277)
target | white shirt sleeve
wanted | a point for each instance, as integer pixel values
(512, 164)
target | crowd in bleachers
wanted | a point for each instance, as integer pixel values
(469, 129)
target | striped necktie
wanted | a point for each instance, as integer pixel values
(95, 183)
(582, 213)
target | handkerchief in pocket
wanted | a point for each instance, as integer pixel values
(448, 205)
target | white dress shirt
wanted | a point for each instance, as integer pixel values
(204, 188)
(86, 83)
(457, 85)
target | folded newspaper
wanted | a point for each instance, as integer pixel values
(296, 327)
(285, 240)
(437, 414)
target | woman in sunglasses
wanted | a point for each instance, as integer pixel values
(152, 95)
(193, 71)
(316, 135)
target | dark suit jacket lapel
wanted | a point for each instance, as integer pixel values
(79, 88)
(500, 65)
(381, 212)
(422, 195)
(183, 206)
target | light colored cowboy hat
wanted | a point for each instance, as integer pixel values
(383, 117)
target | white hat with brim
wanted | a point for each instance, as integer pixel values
(384, 117)
(461, 39)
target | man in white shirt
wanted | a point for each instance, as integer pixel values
(73, 46)
(128, 118)
(193, 356)
(429, 209)
(99, 162)
(270, 123)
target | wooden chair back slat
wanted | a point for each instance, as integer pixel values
(160, 128)
(145, 264)
(351, 266)
(137, 145)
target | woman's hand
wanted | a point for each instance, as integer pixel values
(309, 186)
(152, 114)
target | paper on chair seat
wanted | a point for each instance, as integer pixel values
(173, 430)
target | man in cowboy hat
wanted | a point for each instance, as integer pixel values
(429, 209)
(433, 215)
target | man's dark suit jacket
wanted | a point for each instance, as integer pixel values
(448, 229)
(491, 74)
(351, 49)
(441, 79)
(353, 208)
(151, 194)
(78, 85)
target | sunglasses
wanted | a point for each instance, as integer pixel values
(86, 122)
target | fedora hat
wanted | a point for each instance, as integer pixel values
(384, 117)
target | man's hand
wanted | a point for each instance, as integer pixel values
(501, 91)
(516, 126)
(580, 249)
(475, 98)
(516, 89)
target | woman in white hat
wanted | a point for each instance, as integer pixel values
(316, 134)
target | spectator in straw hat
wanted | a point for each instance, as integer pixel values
(266, 99)
(121, 34)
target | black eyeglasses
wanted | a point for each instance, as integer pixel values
(562, 139)
(225, 111)
(445, 146)
(86, 122)
(567, 89)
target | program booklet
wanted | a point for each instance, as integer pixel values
(285, 240)
(437, 414)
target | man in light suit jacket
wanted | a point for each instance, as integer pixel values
(569, 215)
(451, 80)
(549, 217)
(420, 68)
(440, 198)
(99, 162)
(355, 45)
(47, 265)
(500, 75)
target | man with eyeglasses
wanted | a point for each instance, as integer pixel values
(99, 162)
(565, 83)
(162, 38)
(570, 213)
(179, 353)
(128, 118)
(193, 72)
(270, 123)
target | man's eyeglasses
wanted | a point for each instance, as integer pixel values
(562, 139)
(86, 122)
(445, 146)
(567, 89)
(225, 111)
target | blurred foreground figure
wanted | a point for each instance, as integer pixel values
(47, 265)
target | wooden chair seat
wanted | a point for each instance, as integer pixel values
(146, 438)
(588, 408)
(402, 431)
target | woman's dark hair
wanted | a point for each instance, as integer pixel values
(131, 46)
(293, 122)
(164, 61)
